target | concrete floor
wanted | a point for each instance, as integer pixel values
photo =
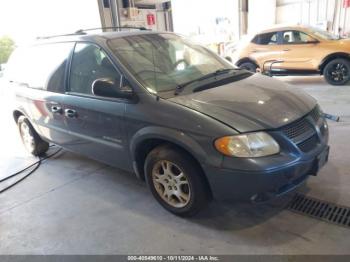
(73, 205)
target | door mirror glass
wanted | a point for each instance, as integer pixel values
(312, 41)
(107, 87)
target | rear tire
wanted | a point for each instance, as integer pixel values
(249, 66)
(176, 181)
(337, 71)
(30, 138)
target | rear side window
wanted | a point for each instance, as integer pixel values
(266, 39)
(41, 67)
(89, 63)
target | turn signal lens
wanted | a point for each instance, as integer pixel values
(247, 145)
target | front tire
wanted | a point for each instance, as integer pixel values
(337, 71)
(176, 181)
(30, 138)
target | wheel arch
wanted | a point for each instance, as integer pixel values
(331, 57)
(246, 59)
(17, 113)
(149, 138)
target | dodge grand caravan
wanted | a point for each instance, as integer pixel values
(190, 124)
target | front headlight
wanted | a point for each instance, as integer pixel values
(247, 145)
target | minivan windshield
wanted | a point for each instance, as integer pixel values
(164, 62)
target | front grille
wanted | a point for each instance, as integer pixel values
(303, 131)
(297, 128)
(315, 113)
(309, 144)
(328, 212)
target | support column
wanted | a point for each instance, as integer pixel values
(109, 13)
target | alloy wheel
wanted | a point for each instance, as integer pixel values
(339, 72)
(171, 183)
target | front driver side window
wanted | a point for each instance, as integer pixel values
(296, 37)
(89, 63)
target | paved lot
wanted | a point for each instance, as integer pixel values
(73, 205)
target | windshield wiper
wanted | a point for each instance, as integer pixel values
(224, 81)
(181, 87)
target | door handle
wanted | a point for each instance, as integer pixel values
(70, 113)
(286, 49)
(56, 109)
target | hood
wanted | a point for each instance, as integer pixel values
(255, 103)
(344, 40)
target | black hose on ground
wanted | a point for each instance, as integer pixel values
(35, 165)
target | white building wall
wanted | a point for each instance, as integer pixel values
(199, 17)
(328, 14)
(25, 20)
(291, 13)
(261, 14)
(342, 19)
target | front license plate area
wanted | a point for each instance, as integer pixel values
(319, 162)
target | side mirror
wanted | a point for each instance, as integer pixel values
(107, 87)
(228, 59)
(313, 42)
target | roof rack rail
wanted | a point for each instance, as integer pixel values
(80, 31)
(51, 36)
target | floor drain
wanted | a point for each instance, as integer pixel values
(320, 209)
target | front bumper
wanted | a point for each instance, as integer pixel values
(266, 183)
